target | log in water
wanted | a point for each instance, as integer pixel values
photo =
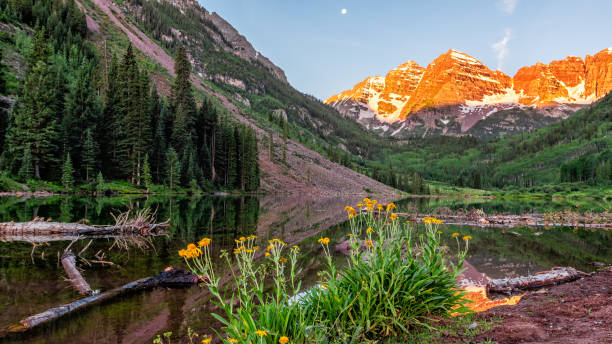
(546, 278)
(171, 278)
(44, 227)
(76, 279)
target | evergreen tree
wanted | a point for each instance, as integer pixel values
(182, 102)
(67, 174)
(3, 74)
(81, 115)
(159, 144)
(110, 129)
(146, 173)
(88, 157)
(26, 171)
(35, 119)
(99, 184)
(173, 168)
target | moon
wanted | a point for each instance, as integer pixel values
(343, 11)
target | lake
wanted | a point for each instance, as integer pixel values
(32, 279)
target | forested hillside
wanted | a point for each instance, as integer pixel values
(77, 118)
(577, 149)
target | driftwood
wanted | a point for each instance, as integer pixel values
(76, 279)
(129, 222)
(43, 227)
(508, 221)
(52, 237)
(542, 279)
(171, 278)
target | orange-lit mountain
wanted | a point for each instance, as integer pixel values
(456, 92)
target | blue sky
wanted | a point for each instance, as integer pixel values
(324, 51)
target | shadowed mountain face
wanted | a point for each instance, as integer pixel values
(456, 91)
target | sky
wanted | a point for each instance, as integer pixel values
(327, 46)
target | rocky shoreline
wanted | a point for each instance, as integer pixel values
(575, 312)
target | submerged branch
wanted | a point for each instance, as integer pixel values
(171, 278)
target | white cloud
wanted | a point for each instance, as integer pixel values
(501, 48)
(507, 6)
(343, 11)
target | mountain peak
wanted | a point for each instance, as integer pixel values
(456, 78)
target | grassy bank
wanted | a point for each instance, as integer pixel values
(113, 187)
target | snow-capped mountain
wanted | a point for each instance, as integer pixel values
(456, 91)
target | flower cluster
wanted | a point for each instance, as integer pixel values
(192, 251)
(432, 220)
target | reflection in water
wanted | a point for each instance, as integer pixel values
(480, 301)
(32, 284)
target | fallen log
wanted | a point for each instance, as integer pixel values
(43, 227)
(76, 279)
(546, 278)
(52, 237)
(170, 278)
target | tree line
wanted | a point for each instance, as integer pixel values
(63, 126)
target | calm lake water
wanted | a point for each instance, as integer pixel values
(32, 280)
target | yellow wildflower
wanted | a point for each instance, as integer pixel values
(267, 254)
(261, 333)
(393, 217)
(250, 251)
(232, 340)
(206, 340)
(379, 206)
(369, 230)
(191, 246)
(204, 242)
(282, 260)
(366, 200)
(283, 340)
(350, 235)
(467, 237)
(439, 232)
(296, 247)
(359, 204)
(182, 253)
(369, 243)
(454, 235)
(324, 241)
(242, 238)
(390, 207)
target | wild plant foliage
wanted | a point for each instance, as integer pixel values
(398, 275)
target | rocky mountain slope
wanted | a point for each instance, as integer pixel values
(229, 69)
(456, 91)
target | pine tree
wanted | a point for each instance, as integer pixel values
(146, 173)
(81, 115)
(2, 76)
(88, 157)
(35, 120)
(109, 131)
(173, 168)
(182, 102)
(99, 184)
(67, 174)
(26, 171)
(159, 144)
(142, 141)
(128, 114)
